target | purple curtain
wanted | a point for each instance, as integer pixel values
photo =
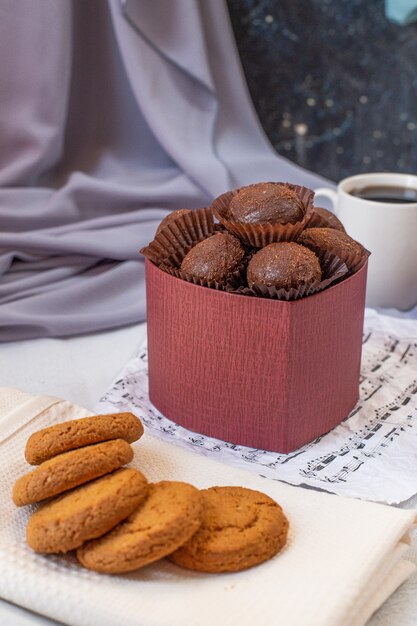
(111, 113)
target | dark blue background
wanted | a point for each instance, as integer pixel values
(339, 69)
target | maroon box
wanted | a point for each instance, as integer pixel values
(262, 373)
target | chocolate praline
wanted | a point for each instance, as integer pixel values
(214, 258)
(266, 203)
(329, 219)
(283, 265)
(170, 218)
(328, 239)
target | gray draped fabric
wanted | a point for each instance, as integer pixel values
(111, 113)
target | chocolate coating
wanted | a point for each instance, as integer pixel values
(328, 239)
(266, 203)
(171, 217)
(329, 219)
(283, 265)
(214, 258)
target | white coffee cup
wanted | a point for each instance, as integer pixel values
(388, 230)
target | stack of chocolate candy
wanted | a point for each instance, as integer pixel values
(269, 241)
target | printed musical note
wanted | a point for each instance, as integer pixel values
(369, 443)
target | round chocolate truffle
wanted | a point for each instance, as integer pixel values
(214, 258)
(171, 217)
(328, 239)
(329, 219)
(266, 203)
(283, 265)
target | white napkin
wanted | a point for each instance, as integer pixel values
(343, 557)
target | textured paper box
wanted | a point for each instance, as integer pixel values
(252, 371)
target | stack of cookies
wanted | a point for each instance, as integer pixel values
(118, 522)
(82, 459)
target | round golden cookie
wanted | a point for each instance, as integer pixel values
(48, 442)
(168, 517)
(240, 528)
(86, 512)
(71, 469)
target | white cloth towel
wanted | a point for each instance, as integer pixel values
(343, 557)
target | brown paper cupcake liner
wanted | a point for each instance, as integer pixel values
(211, 284)
(317, 221)
(231, 282)
(169, 248)
(172, 244)
(260, 235)
(234, 280)
(353, 262)
(333, 268)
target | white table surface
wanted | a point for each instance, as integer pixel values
(81, 369)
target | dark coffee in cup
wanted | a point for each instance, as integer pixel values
(392, 195)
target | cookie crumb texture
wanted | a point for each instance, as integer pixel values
(329, 219)
(49, 442)
(283, 265)
(168, 517)
(240, 528)
(214, 258)
(322, 239)
(267, 203)
(71, 469)
(86, 512)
